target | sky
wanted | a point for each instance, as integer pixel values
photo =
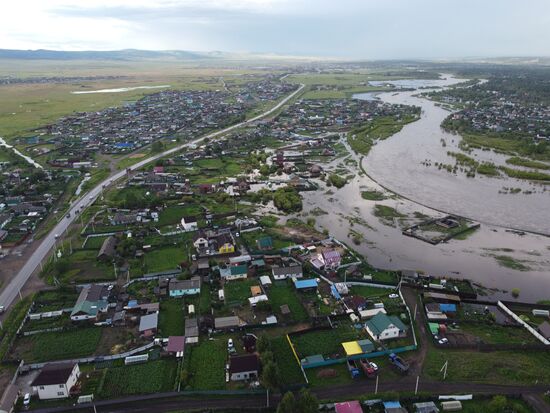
(355, 29)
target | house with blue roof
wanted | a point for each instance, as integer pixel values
(306, 285)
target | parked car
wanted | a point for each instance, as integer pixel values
(26, 399)
(444, 340)
(2, 309)
(230, 345)
(393, 296)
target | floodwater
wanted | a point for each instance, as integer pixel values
(396, 163)
(404, 163)
(118, 90)
(17, 152)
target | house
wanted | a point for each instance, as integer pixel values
(384, 327)
(179, 288)
(176, 345)
(356, 302)
(331, 258)
(92, 300)
(234, 272)
(189, 223)
(264, 243)
(282, 273)
(306, 285)
(200, 240)
(366, 314)
(425, 407)
(148, 324)
(265, 281)
(348, 407)
(108, 249)
(55, 381)
(245, 367)
(223, 243)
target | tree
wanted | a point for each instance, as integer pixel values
(266, 357)
(270, 375)
(287, 404)
(498, 404)
(263, 343)
(307, 403)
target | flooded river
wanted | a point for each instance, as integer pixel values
(396, 164)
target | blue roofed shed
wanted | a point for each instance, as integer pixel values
(447, 308)
(310, 284)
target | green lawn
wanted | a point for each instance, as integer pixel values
(206, 365)
(495, 334)
(167, 258)
(151, 377)
(237, 291)
(325, 342)
(289, 369)
(59, 345)
(370, 292)
(284, 293)
(500, 367)
(171, 318)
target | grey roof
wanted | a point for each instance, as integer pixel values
(544, 329)
(148, 322)
(293, 269)
(108, 247)
(226, 322)
(191, 284)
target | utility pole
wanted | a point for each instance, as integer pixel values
(416, 387)
(415, 308)
(376, 387)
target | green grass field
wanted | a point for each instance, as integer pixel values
(324, 342)
(289, 369)
(166, 258)
(151, 377)
(284, 293)
(206, 365)
(171, 318)
(237, 291)
(59, 345)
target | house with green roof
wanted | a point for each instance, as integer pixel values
(265, 243)
(383, 327)
(234, 272)
(92, 300)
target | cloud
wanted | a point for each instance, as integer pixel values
(347, 28)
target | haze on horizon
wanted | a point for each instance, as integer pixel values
(366, 29)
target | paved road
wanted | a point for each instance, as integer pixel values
(12, 289)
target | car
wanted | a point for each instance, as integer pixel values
(393, 296)
(2, 309)
(68, 214)
(27, 399)
(374, 366)
(230, 345)
(444, 340)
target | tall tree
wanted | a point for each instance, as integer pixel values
(287, 404)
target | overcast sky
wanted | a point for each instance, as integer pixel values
(370, 29)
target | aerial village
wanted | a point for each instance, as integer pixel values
(197, 273)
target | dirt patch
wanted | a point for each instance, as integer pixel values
(137, 155)
(461, 339)
(300, 234)
(118, 339)
(327, 373)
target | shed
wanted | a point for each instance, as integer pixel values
(544, 329)
(148, 324)
(285, 309)
(308, 284)
(447, 308)
(176, 345)
(227, 322)
(425, 407)
(352, 348)
(265, 280)
(255, 290)
(348, 407)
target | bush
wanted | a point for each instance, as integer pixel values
(337, 180)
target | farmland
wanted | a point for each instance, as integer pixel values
(151, 377)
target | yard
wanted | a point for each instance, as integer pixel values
(162, 259)
(282, 292)
(325, 342)
(206, 365)
(499, 367)
(237, 291)
(76, 343)
(150, 377)
(171, 318)
(495, 334)
(80, 266)
(289, 369)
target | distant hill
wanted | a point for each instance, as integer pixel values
(126, 54)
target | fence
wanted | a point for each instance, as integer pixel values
(534, 332)
(154, 276)
(35, 366)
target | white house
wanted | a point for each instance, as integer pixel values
(189, 223)
(282, 273)
(55, 381)
(382, 327)
(244, 367)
